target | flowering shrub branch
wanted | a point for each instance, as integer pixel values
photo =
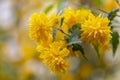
(59, 36)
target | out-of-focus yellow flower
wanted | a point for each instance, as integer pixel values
(72, 17)
(65, 76)
(25, 72)
(27, 48)
(26, 75)
(40, 29)
(85, 71)
(110, 5)
(54, 57)
(96, 31)
(28, 51)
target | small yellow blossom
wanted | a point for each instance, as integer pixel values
(40, 29)
(96, 31)
(54, 57)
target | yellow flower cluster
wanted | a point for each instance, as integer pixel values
(94, 30)
(52, 53)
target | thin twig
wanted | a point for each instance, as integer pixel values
(106, 12)
(62, 31)
(102, 11)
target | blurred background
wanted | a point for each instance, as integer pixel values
(19, 59)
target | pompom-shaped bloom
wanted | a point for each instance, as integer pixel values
(72, 17)
(96, 31)
(40, 29)
(54, 57)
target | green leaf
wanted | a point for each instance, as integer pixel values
(96, 47)
(54, 33)
(61, 21)
(115, 41)
(75, 30)
(112, 15)
(78, 47)
(74, 34)
(49, 8)
(73, 40)
(61, 5)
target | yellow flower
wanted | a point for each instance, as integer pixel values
(40, 29)
(69, 17)
(54, 20)
(96, 31)
(42, 46)
(54, 57)
(72, 17)
(82, 15)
